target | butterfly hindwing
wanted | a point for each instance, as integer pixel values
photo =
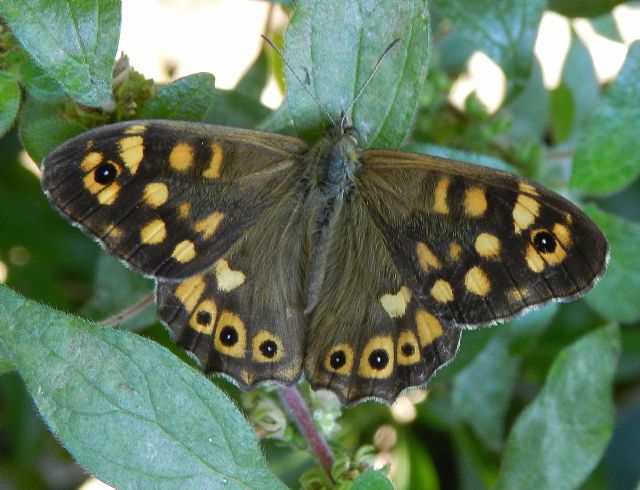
(244, 316)
(368, 336)
(168, 197)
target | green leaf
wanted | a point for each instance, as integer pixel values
(128, 411)
(255, 79)
(9, 101)
(186, 99)
(116, 288)
(482, 392)
(74, 41)
(38, 84)
(606, 156)
(616, 295)
(606, 26)
(506, 31)
(42, 128)
(562, 112)
(372, 480)
(333, 47)
(583, 8)
(560, 437)
(579, 76)
(235, 109)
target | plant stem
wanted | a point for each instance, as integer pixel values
(297, 408)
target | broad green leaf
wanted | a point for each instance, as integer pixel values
(559, 438)
(606, 156)
(562, 112)
(43, 136)
(372, 480)
(616, 295)
(413, 465)
(506, 31)
(333, 47)
(128, 411)
(583, 8)
(9, 101)
(38, 84)
(186, 99)
(232, 108)
(530, 109)
(74, 41)
(117, 288)
(482, 392)
(606, 26)
(579, 76)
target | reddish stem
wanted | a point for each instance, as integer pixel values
(297, 408)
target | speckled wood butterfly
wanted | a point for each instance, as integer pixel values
(359, 268)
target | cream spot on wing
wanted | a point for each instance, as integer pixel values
(440, 196)
(132, 152)
(429, 327)
(441, 291)
(518, 294)
(475, 202)
(135, 129)
(108, 195)
(455, 251)
(377, 348)
(426, 257)
(155, 194)
(396, 304)
(527, 188)
(204, 317)
(189, 291)
(261, 353)
(488, 245)
(184, 209)
(153, 232)
(181, 157)
(231, 335)
(563, 234)
(534, 261)
(477, 282)
(407, 350)
(346, 357)
(184, 252)
(227, 278)
(208, 226)
(525, 212)
(91, 161)
(213, 170)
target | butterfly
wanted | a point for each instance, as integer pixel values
(274, 258)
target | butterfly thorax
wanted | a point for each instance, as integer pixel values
(332, 166)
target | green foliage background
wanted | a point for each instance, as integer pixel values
(549, 401)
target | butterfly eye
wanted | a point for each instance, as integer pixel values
(229, 336)
(378, 359)
(544, 242)
(105, 173)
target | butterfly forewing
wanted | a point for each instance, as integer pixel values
(168, 197)
(479, 245)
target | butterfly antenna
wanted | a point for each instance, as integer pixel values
(392, 45)
(304, 85)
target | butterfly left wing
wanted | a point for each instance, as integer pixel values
(168, 197)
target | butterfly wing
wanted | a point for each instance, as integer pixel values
(428, 246)
(243, 316)
(169, 198)
(479, 245)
